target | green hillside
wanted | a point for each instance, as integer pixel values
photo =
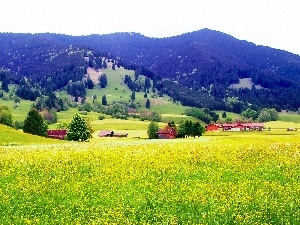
(117, 91)
(12, 137)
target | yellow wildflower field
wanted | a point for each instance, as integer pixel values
(220, 178)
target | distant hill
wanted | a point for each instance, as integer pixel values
(197, 68)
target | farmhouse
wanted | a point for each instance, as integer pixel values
(234, 127)
(58, 134)
(166, 133)
(214, 127)
(110, 133)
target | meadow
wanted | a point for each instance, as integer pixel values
(219, 178)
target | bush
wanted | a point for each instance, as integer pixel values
(49, 116)
(101, 117)
(18, 125)
(5, 116)
(152, 130)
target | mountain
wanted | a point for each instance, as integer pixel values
(197, 68)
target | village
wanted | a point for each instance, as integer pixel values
(234, 126)
(170, 132)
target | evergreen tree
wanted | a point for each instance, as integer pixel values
(78, 129)
(4, 85)
(147, 83)
(104, 101)
(34, 124)
(5, 79)
(103, 80)
(148, 103)
(94, 98)
(132, 96)
(104, 64)
(89, 83)
(152, 130)
(224, 115)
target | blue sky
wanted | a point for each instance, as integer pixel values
(274, 23)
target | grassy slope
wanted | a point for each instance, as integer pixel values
(10, 136)
(117, 91)
(289, 117)
(18, 110)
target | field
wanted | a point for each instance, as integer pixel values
(219, 178)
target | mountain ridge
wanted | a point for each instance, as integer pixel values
(205, 62)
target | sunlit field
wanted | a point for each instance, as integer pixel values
(219, 178)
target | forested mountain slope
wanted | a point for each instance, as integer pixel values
(196, 68)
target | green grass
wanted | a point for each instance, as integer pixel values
(228, 114)
(282, 125)
(20, 110)
(179, 118)
(289, 117)
(118, 124)
(12, 137)
(117, 91)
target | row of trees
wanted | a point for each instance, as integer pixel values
(78, 129)
(263, 115)
(185, 129)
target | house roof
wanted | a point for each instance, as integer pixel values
(237, 124)
(104, 133)
(165, 131)
(56, 132)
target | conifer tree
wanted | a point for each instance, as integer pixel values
(78, 129)
(34, 124)
(104, 101)
(148, 103)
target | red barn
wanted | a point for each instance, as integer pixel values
(213, 127)
(166, 133)
(58, 134)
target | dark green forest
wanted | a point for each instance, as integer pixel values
(195, 69)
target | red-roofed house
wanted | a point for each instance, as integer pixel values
(235, 126)
(166, 133)
(214, 127)
(57, 134)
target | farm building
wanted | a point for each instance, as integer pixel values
(253, 126)
(214, 127)
(235, 127)
(110, 133)
(166, 133)
(58, 134)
